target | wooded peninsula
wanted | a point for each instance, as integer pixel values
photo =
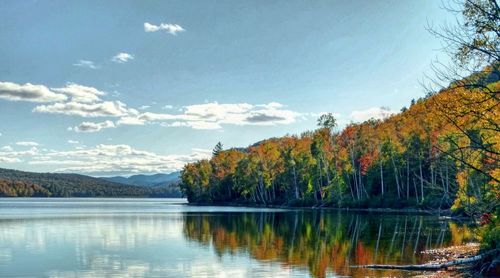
(436, 154)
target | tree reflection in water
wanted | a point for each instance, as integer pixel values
(325, 241)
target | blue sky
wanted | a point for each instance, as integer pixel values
(123, 87)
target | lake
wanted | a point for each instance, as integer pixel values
(168, 238)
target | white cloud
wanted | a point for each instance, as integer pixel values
(130, 121)
(317, 115)
(6, 149)
(40, 93)
(169, 28)
(92, 127)
(80, 93)
(271, 105)
(28, 92)
(122, 57)
(85, 101)
(100, 109)
(86, 64)
(238, 114)
(9, 160)
(194, 125)
(377, 113)
(102, 159)
(9, 155)
(73, 142)
(151, 117)
(213, 115)
(168, 106)
(116, 159)
(27, 143)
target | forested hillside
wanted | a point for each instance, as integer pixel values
(15, 183)
(440, 152)
(10, 188)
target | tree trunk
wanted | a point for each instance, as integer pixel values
(396, 175)
(261, 190)
(350, 186)
(362, 185)
(327, 171)
(407, 178)
(355, 175)
(421, 180)
(355, 179)
(320, 180)
(381, 179)
(295, 183)
(274, 191)
(415, 188)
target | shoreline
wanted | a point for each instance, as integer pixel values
(440, 213)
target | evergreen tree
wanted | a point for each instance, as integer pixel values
(217, 149)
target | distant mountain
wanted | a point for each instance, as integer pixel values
(147, 180)
(15, 183)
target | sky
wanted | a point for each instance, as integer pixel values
(125, 87)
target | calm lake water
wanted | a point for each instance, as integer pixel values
(168, 238)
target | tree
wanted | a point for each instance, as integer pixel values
(327, 121)
(472, 44)
(217, 149)
(473, 110)
(401, 161)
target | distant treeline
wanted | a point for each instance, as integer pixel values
(9, 188)
(440, 152)
(15, 183)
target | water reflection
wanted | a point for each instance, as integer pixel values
(72, 240)
(325, 243)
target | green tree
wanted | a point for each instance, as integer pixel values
(217, 149)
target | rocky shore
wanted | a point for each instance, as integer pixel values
(455, 253)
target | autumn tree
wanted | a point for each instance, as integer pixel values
(472, 110)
